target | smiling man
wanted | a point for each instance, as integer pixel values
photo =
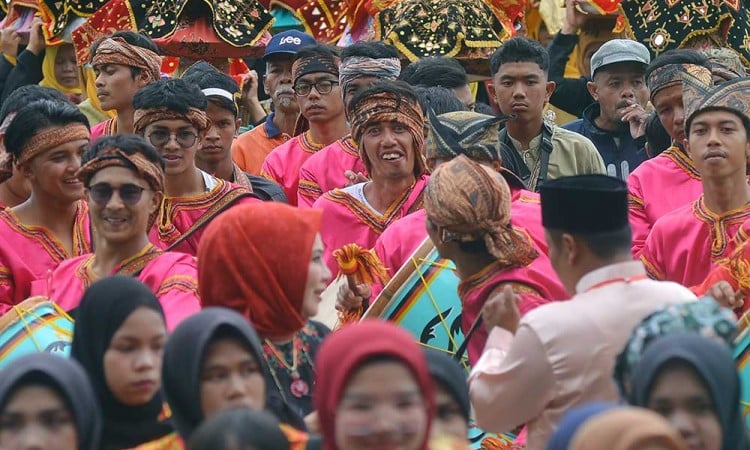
(388, 126)
(616, 123)
(124, 63)
(687, 243)
(316, 84)
(170, 114)
(673, 171)
(532, 148)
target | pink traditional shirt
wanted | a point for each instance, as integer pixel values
(106, 128)
(282, 165)
(535, 284)
(563, 353)
(324, 171)
(28, 253)
(686, 244)
(349, 219)
(182, 215)
(172, 276)
(658, 186)
(402, 238)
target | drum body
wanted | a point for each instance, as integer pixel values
(33, 326)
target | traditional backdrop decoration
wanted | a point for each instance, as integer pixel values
(59, 14)
(325, 20)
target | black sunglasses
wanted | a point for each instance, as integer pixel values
(130, 194)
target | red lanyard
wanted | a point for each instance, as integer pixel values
(617, 280)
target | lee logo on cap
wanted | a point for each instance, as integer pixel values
(290, 40)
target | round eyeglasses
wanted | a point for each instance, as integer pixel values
(160, 138)
(322, 86)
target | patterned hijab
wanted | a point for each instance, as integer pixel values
(469, 202)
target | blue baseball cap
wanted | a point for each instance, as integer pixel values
(288, 43)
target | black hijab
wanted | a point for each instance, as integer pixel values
(451, 377)
(105, 306)
(183, 358)
(67, 378)
(714, 364)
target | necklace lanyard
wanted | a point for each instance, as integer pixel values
(617, 280)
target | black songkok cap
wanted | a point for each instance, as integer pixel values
(584, 204)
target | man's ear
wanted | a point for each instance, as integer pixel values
(591, 87)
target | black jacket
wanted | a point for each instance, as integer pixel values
(571, 94)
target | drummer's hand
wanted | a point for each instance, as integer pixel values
(354, 178)
(9, 42)
(501, 310)
(725, 296)
(347, 300)
(36, 38)
(574, 19)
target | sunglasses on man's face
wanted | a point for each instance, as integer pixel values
(160, 138)
(130, 194)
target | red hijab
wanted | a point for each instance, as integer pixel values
(343, 352)
(254, 259)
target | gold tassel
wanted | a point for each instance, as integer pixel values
(359, 266)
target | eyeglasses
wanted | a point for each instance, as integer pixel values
(160, 138)
(322, 86)
(130, 194)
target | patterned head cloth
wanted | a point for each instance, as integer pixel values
(361, 66)
(726, 64)
(144, 117)
(118, 51)
(672, 75)
(463, 133)
(313, 64)
(389, 107)
(113, 157)
(469, 202)
(697, 96)
(704, 317)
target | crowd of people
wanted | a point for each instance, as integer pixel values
(602, 263)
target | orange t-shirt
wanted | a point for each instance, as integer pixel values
(250, 149)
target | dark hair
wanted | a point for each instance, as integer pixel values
(37, 116)
(173, 94)
(484, 108)
(435, 71)
(399, 89)
(370, 49)
(519, 49)
(441, 100)
(603, 245)
(316, 50)
(239, 429)
(657, 137)
(678, 56)
(130, 144)
(137, 39)
(206, 76)
(24, 95)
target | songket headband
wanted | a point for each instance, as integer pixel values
(671, 75)
(118, 51)
(362, 66)
(114, 157)
(145, 117)
(52, 138)
(303, 66)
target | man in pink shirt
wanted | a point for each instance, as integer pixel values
(316, 85)
(562, 354)
(339, 164)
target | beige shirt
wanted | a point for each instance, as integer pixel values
(572, 154)
(563, 353)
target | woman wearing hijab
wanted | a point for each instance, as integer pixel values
(452, 406)
(373, 389)
(693, 382)
(271, 271)
(46, 402)
(124, 179)
(60, 71)
(119, 338)
(572, 422)
(627, 429)
(45, 142)
(213, 362)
